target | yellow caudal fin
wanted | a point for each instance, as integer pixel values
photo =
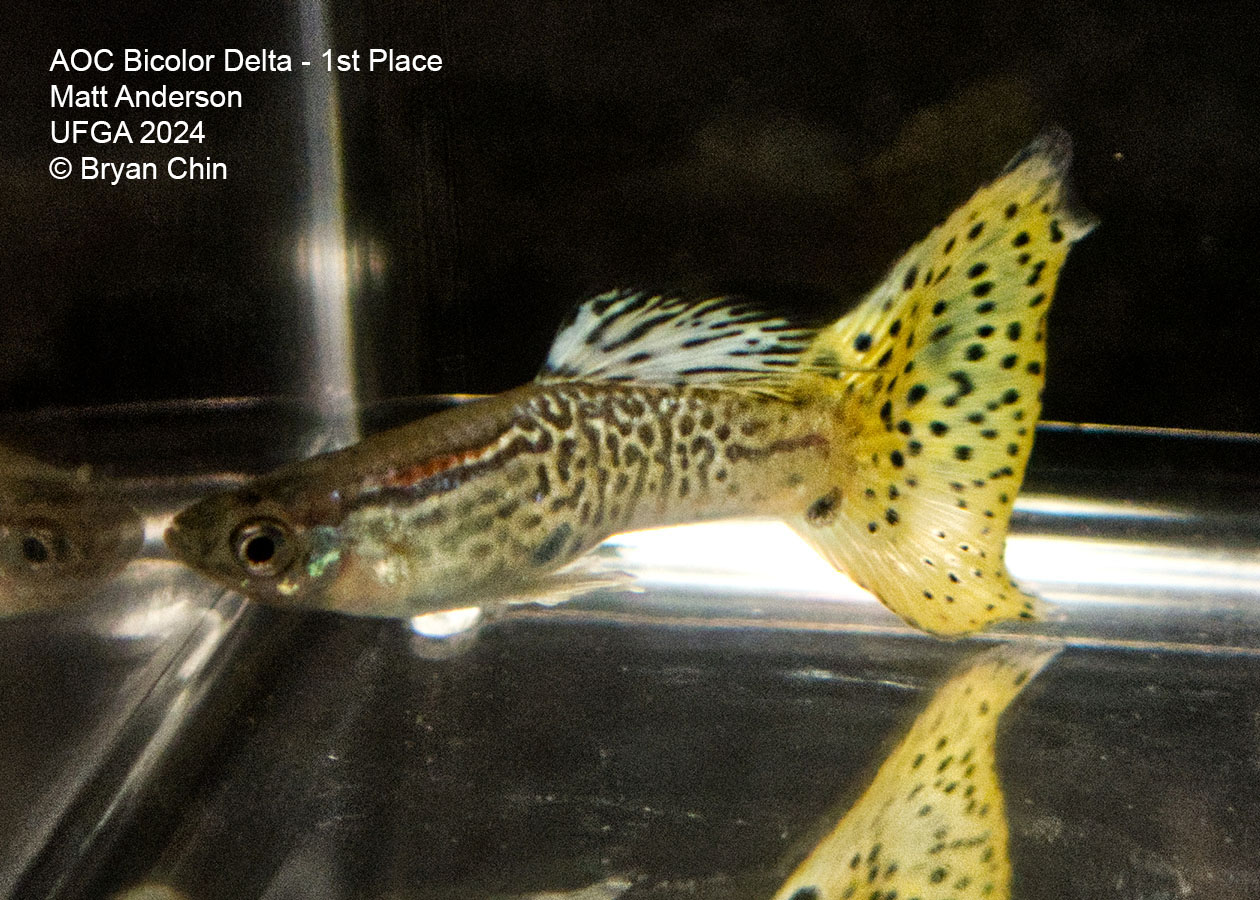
(942, 366)
(933, 821)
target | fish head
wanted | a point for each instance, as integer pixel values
(61, 535)
(254, 543)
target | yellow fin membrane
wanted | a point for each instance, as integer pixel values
(932, 825)
(945, 361)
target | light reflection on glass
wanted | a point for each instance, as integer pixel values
(322, 254)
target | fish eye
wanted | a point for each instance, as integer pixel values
(34, 550)
(263, 547)
(42, 543)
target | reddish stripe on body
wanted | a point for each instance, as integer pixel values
(405, 478)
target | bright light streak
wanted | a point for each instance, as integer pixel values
(448, 623)
(743, 555)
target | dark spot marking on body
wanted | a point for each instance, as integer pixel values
(1056, 233)
(949, 245)
(939, 307)
(1020, 239)
(975, 353)
(914, 448)
(904, 427)
(977, 270)
(1011, 209)
(962, 452)
(895, 328)
(940, 332)
(984, 331)
(1008, 362)
(1013, 331)
(916, 393)
(1011, 396)
(872, 527)
(1036, 273)
(982, 289)
(911, 275)
(897, 459)
(805, 893)
(891, 516)
(862, 342)
(1034, 368)
(550, 548)
(975, 231)
(823, 510)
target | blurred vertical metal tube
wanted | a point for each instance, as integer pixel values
(332, 383)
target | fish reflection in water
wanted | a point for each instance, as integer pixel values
(63, 533)
(933, 823)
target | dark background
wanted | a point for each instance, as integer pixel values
(790, 151)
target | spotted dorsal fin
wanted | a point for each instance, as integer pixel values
(933, 821)
(657, 339)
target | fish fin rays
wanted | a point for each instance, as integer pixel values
(943, 366)
(933, 819)
(655, 339)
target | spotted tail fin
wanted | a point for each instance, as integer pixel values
(933, 821)
(945, 362)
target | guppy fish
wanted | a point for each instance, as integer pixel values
(932, 824)
(894, 439)
(62, 533)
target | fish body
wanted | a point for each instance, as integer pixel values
(894, 440)
(486, 498)
(933, 822)
(62, 533)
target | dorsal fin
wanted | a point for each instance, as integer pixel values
(657, 339)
